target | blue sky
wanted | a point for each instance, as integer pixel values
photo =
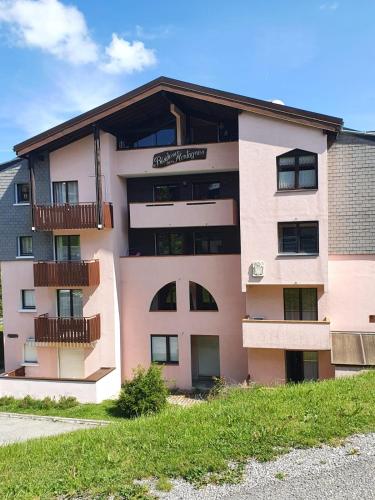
(59, 58)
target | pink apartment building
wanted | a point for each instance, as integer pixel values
(185, 226)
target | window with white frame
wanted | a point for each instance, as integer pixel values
(28, 300)
(30, 352)
(22, 193)
(25, 246)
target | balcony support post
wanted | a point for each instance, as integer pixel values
(32, 189)
(98, 178)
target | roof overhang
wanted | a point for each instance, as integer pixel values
(82, 125)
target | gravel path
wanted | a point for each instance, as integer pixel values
(23, 427)
(345, 472)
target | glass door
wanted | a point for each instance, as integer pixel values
(67, 248)
(69, 303)
(65, 192)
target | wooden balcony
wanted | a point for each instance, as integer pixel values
(67, 330)
(67, 273)
(77, 216)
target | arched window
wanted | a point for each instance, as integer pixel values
(297, 169)
(200, 298)
(165, 298)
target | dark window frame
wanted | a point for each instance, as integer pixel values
(157, 235)
(167, 185)
(121, 139)
(20, 252)
(71, 290)
(66, 191)
(69, 236)
(300, 309)
(210, 236)
(168, 350)
(24, 307)
(18, 190)
(199, 289)
(296, 153)
(171, 284)
(196, 183)
(298, 226)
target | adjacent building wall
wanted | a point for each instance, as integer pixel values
(15, 220)
(351, 184)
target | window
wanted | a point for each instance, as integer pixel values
(25, 246)
(205, 243)
(200, 298)
(297, 170)
(69, 303)
(165, 298)
(28, 299)
(206, 190)
(301, 304)
(203, 131)
(310, 365)
(67, 248)
(164, 349)
(22, 193)
(147, 137)
(167, 192)
(65, 192)
(170, 243)
(298, 237)
(30, 352)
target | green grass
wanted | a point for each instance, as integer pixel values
(195, 443)
(103, 411)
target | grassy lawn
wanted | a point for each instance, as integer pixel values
(189, 443)
(103, 411)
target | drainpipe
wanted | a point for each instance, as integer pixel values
(98, 178)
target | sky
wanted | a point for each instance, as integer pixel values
(59, 58)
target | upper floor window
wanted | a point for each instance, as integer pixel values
(200, 298)
(166, 192)
(22, 193)
(28, 299)
(65, 192)
(301, 304)
(67, 247)
(170, 244)
(147, 137)
(206, 190)
(165, 298)
(206, 242)
(299, 237)
(297, 169)
(69, 303)
(25, 246)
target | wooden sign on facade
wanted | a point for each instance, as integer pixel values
(166, 158)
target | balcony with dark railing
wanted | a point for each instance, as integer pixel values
(67, 330)
(67, 273)
(71, 216)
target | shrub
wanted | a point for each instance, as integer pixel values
(146, 393)
(218, 388)
(40, 404)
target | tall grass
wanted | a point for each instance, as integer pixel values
(195, 443)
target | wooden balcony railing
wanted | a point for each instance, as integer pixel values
(67, 273)
(77, 216)
(67, 330)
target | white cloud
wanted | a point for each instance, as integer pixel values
(61, 30)
(154, 33)
(127, 57)
(51, 26)
(329, 6)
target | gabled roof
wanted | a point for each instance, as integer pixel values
(81, 125)
(10, 163)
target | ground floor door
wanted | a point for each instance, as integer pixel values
(71, 363)
(301, 365)
(205, 358)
